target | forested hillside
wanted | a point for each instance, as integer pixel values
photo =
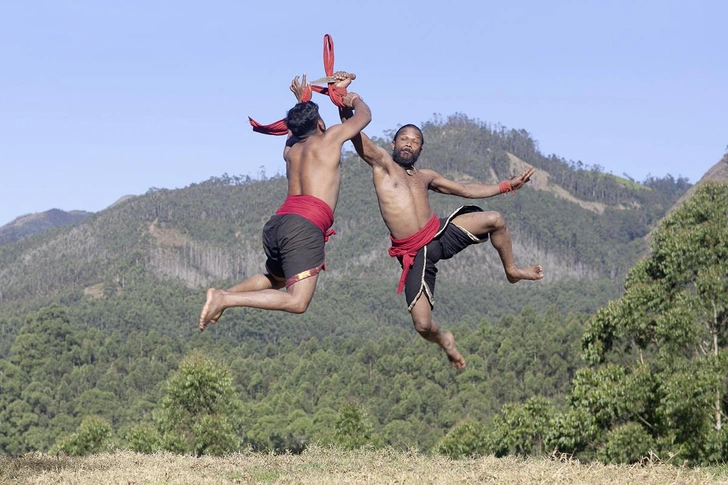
(95, 318)
(577, 221)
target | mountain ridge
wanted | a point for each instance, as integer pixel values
(39, 222)
(209, 233)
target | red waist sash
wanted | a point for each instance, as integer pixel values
(407, 248)
(313, 209)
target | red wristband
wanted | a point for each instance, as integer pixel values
(505, 186)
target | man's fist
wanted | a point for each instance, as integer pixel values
(342, 79)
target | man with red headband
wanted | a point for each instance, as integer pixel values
(420, 239)
(294, 237)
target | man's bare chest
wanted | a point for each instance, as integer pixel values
(399, 188)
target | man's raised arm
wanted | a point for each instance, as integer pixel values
(360, 117)
(299, 90)
(364, 146)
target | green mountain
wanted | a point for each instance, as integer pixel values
(131, 279)
(30, 224)
(580, 223)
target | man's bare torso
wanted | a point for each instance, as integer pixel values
(313, 168)
(403, 198)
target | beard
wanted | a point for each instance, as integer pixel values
(405, 158)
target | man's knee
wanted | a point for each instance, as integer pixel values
(495, 219)
(299, 305)
(422, 325)
(300, 295)
(300, 299)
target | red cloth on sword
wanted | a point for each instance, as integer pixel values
(407, 248)
(279, 127)
(312, 208)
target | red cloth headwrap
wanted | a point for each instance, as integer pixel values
(335, 94)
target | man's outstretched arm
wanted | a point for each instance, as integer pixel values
(478, 191)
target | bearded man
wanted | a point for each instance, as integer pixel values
(419, 238)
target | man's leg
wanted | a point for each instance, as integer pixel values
(257, 282)
(492, 224)
(430, 331)
(295, 299)
(254, 283)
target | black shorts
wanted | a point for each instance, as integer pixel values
(294, 247)
(449, 240)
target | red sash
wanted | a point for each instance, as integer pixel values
(312, 208)
(407, 248)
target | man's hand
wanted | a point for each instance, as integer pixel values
(520, 180)
(342, 79)
(300, 89)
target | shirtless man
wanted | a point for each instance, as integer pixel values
(419, 238)
(294, 237)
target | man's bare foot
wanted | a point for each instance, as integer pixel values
(447, 342)
(532, 274)
(212, 309)
(216, 317)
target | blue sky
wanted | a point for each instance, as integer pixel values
(103, 99)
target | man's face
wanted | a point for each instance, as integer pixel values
(406, 148)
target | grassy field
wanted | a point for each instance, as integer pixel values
(329, 466)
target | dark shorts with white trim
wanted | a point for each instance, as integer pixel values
(294, 247)
(449, 240)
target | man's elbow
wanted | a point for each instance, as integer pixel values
(366, 117)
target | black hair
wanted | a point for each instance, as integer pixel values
(422, 137)
(303, 118)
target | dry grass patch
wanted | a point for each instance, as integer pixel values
(331, 466)
(166, 236)
(96, 291)
(540, 181)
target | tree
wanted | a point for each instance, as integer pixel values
(520, 429)
(469, 438)
(92, 436)
(665, 342)
(200, 413)
(144, 438)
(353, 429)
